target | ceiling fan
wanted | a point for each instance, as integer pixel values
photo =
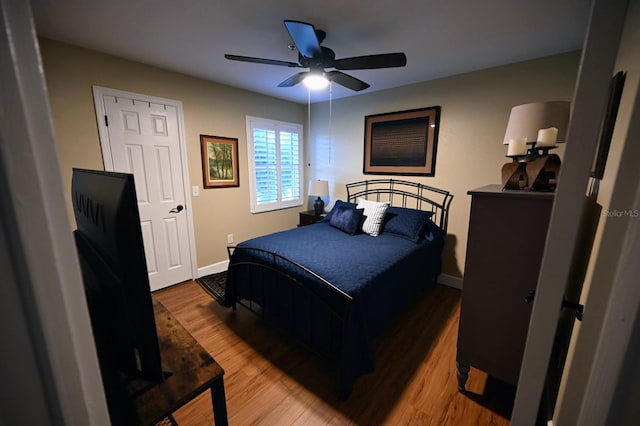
(317, 58)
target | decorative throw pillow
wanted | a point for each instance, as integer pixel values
(338, 203)
(374, 212)
(410, 224)
(432, 231)
(346, 219)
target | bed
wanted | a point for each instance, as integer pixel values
(336, 284)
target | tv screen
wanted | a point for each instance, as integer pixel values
(114, 270)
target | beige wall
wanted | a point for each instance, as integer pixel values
(209, 108)
(475, 111)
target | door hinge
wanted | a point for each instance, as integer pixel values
(106, 120)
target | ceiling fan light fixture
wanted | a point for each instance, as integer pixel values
(306, 39)
(316, 81)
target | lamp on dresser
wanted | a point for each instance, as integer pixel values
(532, 131)
(318, 188)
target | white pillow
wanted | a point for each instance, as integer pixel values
(374, 211)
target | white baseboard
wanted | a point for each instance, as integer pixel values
(213, 269)
(450, 280)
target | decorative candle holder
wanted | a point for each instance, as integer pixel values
(543, 124)
(537, 170)
(514, 174)
(543, 172)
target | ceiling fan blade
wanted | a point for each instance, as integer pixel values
(262, 61)
(294, 79)
(346, 80)
(305, 38)
(384, 60)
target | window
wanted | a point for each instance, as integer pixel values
(275, 164)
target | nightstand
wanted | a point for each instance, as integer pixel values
(309, 218)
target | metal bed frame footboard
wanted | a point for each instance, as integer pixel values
(267, 271)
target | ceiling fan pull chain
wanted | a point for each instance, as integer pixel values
(309, 112)
(330, 121)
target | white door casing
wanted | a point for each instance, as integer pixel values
(52, 375)
(590, 98)
(144, 135)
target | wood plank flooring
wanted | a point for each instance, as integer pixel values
(270, 380)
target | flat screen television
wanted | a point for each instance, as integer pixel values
(114, 271)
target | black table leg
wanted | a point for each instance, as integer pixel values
(219, 402)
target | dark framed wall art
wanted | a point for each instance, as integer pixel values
(402, 143)
(219, 161)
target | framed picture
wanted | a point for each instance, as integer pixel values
(219, 161)
(402, 143)
(608, 124)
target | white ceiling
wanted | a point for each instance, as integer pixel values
(440, 37)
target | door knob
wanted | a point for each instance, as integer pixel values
(579, 308)
(566, 304)
(530, 297)
(177, 209)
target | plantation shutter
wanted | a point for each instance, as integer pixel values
(290, 165)
(266, 166)
(275, 164)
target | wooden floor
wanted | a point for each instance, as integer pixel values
(270, 380)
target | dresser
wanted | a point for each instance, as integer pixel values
(507, 234)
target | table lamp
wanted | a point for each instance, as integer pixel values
(532, 131)
(318, 188)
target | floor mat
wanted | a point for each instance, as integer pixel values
(214, 285)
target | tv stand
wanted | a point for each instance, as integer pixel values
(191, 371)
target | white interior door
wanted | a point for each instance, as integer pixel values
(142, 135)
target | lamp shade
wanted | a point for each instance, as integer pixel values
(319, 188)
(527, 120)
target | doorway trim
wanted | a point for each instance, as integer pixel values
(590, 97)
(98, 93)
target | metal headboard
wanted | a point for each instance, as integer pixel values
(401, 193)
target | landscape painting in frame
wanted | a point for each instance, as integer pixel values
(402, 143)
(219, 161)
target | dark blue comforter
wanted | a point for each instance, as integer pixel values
(382, 275)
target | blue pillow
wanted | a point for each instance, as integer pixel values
(410, 224)
(432, 231)
(346, 219)
(338, 203)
